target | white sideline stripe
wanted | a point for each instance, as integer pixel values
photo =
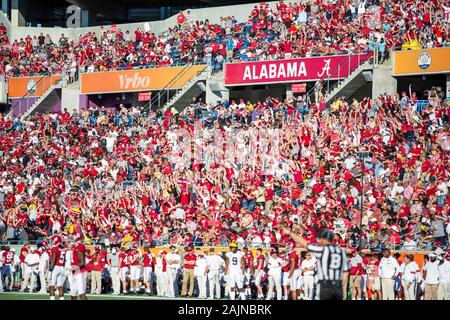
(126, 297)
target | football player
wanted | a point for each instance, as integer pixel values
(135, 268)
(123, 269)
(79, 272)
(57, 261)
(248, 256)
(148, 261)
(234, 271)
(260, 264)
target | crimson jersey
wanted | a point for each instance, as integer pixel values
(8, 257)
(299, 262)
(23, 253)
(75, 261)
(285, 264)
(248, 260)
(147, 260)
(133, 255)
(60, 256)
(123, 258)
(260, 262)
(295, 257)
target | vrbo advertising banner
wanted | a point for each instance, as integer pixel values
(137, 80)
(292, 70)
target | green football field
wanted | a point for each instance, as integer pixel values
(37, 296)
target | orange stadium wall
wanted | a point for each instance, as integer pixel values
(31, 86)
(425, 61)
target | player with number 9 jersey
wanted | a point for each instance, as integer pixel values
(234, 271)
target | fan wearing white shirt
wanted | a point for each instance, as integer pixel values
(431, 276)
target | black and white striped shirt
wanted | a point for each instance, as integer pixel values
(332, 261)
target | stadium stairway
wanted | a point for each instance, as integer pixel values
(192, 89)
(47, 101)
(359, 77)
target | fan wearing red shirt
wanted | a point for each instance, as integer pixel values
(248, 258)
(135, 269)
(189, 263)
(123, 269)
(148, 261)
(57, 260)
(79, 271)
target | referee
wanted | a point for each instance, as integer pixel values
(332, 264)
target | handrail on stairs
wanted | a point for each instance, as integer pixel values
(157, 97)
(166, 89)
(43, 96)
(194, 77)
(41, 82)
(336, 71)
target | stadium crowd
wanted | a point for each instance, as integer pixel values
(305, 29)
(231, 172)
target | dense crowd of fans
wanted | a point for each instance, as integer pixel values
(309, 28)
(234, 171)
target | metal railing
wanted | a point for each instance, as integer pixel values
(165, 93)
(39, 89)
(336, 74)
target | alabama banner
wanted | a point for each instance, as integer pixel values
(292, 70)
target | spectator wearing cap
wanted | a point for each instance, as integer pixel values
(388, 270)
(430, 273)
(189, 261)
